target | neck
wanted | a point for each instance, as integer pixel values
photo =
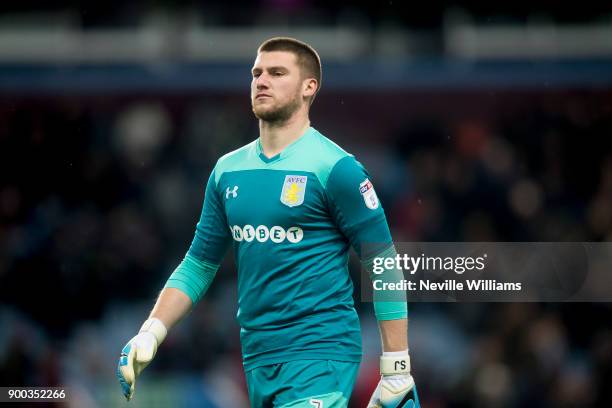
(274, 137)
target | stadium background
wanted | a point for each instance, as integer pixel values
(477, 123)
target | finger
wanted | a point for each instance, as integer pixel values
(125, 387)
(126, 369)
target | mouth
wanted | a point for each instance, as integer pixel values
(259, 96)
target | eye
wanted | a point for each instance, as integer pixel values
(278, 73)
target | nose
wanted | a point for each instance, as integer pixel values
(261, 82)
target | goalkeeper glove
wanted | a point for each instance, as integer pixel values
(138, 353)
(396, 387)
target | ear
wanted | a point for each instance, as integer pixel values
(310, 87)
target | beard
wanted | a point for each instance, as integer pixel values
(280, 114)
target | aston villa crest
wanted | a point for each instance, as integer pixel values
(294, 189)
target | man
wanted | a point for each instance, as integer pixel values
(292, 203)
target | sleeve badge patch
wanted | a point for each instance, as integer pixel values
(369, 195)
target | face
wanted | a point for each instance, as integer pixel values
(277, 89)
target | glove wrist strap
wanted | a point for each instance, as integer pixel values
(395, 364)
(156, 328)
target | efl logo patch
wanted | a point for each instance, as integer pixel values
(369, 195)
(294, 189)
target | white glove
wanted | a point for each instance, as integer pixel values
(396, 387)
(138, 353)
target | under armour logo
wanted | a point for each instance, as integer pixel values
(233, 192)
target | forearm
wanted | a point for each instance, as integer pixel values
(394, 334)
(171, 306)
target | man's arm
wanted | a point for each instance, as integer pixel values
(360, 217)
(184, 288)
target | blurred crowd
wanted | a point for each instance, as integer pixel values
(305, 12)
(99, 197)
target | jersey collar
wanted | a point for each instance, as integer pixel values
(286, 151)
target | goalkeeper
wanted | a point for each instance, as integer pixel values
(291, 203)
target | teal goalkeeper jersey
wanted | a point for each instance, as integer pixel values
(291, 220)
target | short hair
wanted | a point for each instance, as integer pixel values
(307, 57)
